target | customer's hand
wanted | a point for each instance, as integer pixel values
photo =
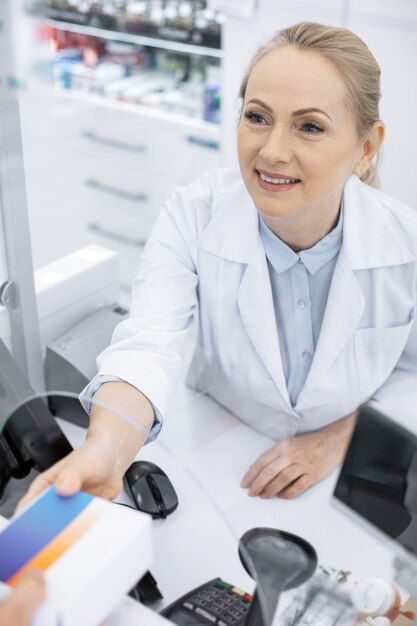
(290, 467)
(23, 601)
(111, 445)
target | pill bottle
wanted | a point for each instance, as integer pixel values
(374, 597)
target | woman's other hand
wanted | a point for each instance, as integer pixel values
(26, 597)
(290, 467)
(112, 443)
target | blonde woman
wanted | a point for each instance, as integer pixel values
(302, 277)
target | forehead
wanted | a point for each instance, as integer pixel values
(295, 79)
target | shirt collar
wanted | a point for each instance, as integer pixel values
(282, 257)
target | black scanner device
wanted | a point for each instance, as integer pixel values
(150, 489)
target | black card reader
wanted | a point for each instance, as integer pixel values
(216, 603)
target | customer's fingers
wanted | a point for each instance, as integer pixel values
(19, 607)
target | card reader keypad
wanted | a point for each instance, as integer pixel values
(220, 604)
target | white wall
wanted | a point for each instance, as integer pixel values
(390, 30)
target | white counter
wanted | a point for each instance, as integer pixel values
(206, 451)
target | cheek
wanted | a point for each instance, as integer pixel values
(322, 163)
(240, 144)
(247, 145)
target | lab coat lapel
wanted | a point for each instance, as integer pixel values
(344, 309)
(256, 307)
(369, 241)
(233, 234)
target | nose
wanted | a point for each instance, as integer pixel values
(277, 145)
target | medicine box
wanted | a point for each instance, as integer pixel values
(92, 552)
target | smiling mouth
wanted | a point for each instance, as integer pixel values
(277, 181)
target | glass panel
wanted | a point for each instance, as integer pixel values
(103, 147)
(269, 558)
(106, 86)
(3, 266)
(31, 440)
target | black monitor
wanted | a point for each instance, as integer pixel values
(378, 480)
(29, 434)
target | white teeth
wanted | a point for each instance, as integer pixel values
(278, 181)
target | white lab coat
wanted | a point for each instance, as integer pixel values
(205, 258)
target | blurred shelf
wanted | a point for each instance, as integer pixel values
(141, 40)
(140, 109)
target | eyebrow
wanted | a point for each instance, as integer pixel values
(311, 110)
(295, 113)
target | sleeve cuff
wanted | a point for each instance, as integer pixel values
(89, 391)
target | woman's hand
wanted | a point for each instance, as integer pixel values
(23, 601)
(290, 467)
(93, 468)
(112, 443)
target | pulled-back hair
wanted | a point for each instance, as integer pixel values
(352, 59)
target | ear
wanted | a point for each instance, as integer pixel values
(369, 148)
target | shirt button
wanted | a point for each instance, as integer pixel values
(301, 303)
(306, 355)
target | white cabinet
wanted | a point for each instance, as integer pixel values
(99, 170)
(100, 173)
(157, 146)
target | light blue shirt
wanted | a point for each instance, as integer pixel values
(300, 283)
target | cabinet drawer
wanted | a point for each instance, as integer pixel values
(113, 127)
(124, 191)
(95, 143)
(167, 149)
(62, 222)
(181, 155)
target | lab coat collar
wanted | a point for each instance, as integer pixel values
(369, 239)
(232, 232)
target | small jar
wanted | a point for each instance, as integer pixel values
(375, 597)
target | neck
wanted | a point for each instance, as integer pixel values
(302, 230)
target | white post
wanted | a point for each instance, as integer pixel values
(18, 293)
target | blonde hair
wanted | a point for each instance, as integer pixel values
(352, 59)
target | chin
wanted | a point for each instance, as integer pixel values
(275, 213)
(273, 208)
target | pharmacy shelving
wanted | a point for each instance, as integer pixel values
(154, 115)
(99, 168)
(141, 40)
(148, 52)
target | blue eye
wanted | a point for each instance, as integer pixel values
(312, 128)
(256, 118)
